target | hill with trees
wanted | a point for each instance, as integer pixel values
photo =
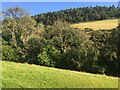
(57, 44)
(76, 15)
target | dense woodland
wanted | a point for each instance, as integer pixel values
(76, 15)
(49, 40)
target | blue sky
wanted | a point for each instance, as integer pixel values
(43, 7)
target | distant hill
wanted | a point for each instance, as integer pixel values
(97, 25)
(76, 15)
(16, 75)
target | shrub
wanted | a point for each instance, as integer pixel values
(9, 54)
(48, 56)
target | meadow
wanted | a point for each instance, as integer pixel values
(97, 25)
(17, 75)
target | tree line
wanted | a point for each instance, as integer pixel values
(59, 45)
(76, 15)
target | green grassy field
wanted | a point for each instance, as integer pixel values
(96, 25)
(16, 75)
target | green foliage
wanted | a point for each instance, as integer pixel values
(49, 55)
(33, 47)
(106, 43)
(60, 45)
(44, 59)
(9, 54)
(18, 29)
(114, 52)
(68, 40)
(76, 15)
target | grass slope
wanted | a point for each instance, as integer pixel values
(16, 75)
(97, 25)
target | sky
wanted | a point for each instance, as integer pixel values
(43, 7)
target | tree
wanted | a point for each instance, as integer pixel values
(76, 15)
(19, 28)
(114, 43)
(9, 54)
(49, 55)
(72, 43)
(11, 22)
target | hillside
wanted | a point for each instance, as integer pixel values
(97, 25)
(16, 75)
(76, 15)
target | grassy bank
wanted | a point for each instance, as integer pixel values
(16, 75)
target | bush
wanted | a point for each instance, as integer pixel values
(49, 56)
(9, 54)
